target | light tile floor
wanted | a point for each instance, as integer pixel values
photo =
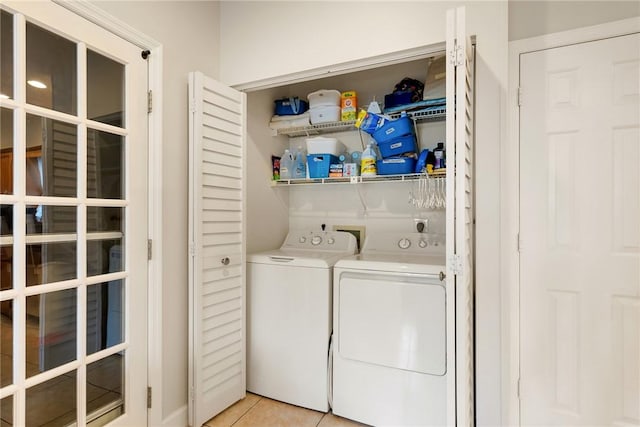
(258, 411)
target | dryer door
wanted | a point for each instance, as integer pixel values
(394, 320)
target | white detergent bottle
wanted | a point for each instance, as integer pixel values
(368, 162)
(286, 165)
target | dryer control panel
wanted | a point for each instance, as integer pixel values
(413, 243)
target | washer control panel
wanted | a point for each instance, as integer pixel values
(338, 241)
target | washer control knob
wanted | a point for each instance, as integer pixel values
(316, 240)
(331, 241)
(404, 243)
(423, 243)
(302, 239)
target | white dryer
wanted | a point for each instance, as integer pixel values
(289, 317)
(390, 360)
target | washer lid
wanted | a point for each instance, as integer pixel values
(394, 262)
(297, 258)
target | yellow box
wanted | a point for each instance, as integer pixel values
(348, 105)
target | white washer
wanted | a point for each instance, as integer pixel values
(390, 332)
(289, 317)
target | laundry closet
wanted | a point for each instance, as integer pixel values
(257, 211)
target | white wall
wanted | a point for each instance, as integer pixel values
(188, 32)
(535, 18)
(257, 43)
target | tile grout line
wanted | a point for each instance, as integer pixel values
(247, 411)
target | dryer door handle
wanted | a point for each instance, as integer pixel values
(281, 258)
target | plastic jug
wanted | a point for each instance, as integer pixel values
(286, 165)
(368, 162)
(300, 164)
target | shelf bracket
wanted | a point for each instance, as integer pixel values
(362, 201)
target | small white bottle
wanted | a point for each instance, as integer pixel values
(286, 165)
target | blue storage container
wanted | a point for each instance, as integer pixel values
(319, 164)
(397, 98)
(398, 146)
(290, 106)
(396, 165)
(392, 129)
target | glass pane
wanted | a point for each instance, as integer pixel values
(52, 163)
(6, 151)
(6, 55)
(6, 220)
(6, 251)
(50, 262)
(105, 315)
(105, 379)
(104, 256)
(105, 165)
(53, 402)
(105, 89)
(51, 330)
(51, 219)
(51, 70)
(6, 267)
(6, 341)
(104, 219)
(6, 411)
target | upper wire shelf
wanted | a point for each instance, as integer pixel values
(431, 114)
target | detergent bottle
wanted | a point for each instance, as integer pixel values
(368, 162)
(300, 164)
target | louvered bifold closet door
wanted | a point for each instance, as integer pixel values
(460, 207)
(217, 374)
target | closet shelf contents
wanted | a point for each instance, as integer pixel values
(352, 179)
(431, 113)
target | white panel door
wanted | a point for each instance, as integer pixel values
(217, 313)
(580, 234)
(460, 216)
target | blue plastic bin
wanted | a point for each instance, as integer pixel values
(398, 146)
(290, 106)
(319, 164)
(397, 98)
(396, 165)
(393, 129)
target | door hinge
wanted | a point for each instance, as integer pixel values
(518, 388)
(149, 101)
(192, 106)
(148, 397)
(455, 265)
(192, 249)
(456, 56)
(519, 96)
(149, 249)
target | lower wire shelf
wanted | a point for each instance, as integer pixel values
(353, 179)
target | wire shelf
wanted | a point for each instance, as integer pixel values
(352, 179)
(431, 114)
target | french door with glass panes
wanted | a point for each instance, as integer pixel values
(73, 200)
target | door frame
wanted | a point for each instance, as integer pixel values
(510, 199)
(102, 19)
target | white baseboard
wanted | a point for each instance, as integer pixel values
(178, 418)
